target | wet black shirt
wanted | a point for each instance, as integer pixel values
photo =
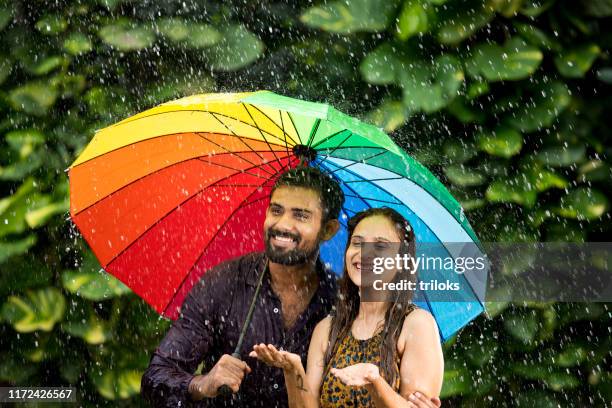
(209, 326)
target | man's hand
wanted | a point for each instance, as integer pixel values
(276, 358)
(228, 371)
(418, 400)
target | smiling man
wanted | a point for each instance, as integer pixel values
(297, 292)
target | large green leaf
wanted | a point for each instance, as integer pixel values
(91, 282)
(503, 142)
(571, 355)
(583, 203)
(348, 17)
(52, 24)
(513, 190)
(536, 37)
(390, 115)
(381, 66)
(195, 35)
(34, 98)
(14, 369)
(24, 141)
(42, 65)
(461, 21)
(38, 310)
(522, 327)
(117, 384)
(43, 210)
(540, 107)
(203, 35)
(91, 329)
(16, 247)
(598, 8)
(457, 380)
(237, 48)
(93, 285)
(431, 86)
(6, 66)
(537, 398)
(513, 61)
(464, 176)
(6, 14)
(127, 37)
(78, 43)
(14, 208)
(561, 156)
(576, 62)
(458, 151)
(413, 19)
(175, 29)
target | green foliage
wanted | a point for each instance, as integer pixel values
(506, 100)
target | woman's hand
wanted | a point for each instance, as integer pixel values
(418, 400)
(357, 375)
(276, 358)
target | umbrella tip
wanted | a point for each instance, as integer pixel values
(306, 154)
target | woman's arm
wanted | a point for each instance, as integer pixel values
(421, 366)
(303, 386)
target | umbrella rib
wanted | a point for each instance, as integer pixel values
(232, 168)
(282, 128)
(243, 142)
(243, 204)
(237, 155)
(158, 170)
(361, 197)
(336, 148)
(404, 177)
(182, 110)
(262, 135)
(151, 138)
(284, 133)
(295, 127)
(314, 146)
(313, 131)
(378, 179)
(348, 187)
(168, 214)
(364, 160)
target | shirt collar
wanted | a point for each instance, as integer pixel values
(327, 279)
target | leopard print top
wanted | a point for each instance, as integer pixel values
(351, 351)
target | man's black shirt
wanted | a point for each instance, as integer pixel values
(209, 325)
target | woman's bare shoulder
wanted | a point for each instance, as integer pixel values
(322, 328)
(417, 321)
(320, 335)
(420, 318)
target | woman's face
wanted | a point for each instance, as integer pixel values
(383, 241)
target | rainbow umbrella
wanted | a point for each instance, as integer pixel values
(166, 194)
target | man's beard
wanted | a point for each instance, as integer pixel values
(296, 256)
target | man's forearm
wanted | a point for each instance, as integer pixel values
(199, 389)
(163, 386)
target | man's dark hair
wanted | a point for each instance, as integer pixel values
(332, 197)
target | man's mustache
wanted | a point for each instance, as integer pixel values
(273, 232)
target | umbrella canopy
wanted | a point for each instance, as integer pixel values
(166, 194)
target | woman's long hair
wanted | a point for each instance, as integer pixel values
(347, 305)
